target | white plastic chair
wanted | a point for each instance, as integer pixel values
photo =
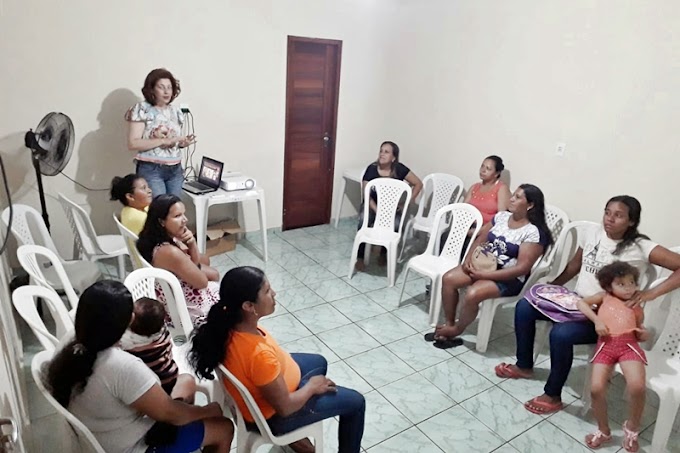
(23, 299)
(439, 190)
(556, 219)
(84, 435)
(44, 267)
(435, 265)
(29, 228)
(141, 283)
(249, 441)
(390, 192)
(130, 239)
(663, 374)
(90, 245)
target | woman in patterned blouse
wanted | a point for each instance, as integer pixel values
(155, 133)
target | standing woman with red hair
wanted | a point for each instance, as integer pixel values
(155, 133)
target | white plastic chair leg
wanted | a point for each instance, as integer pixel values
(318, 439)
(343, 186)
(403, 285)
(541, 339)
(487, 310)
(585, 392)
(406, 235)
(436, 302)
(391, 262)
(367, 254)
(669, 405)
(121, 267)
(353, 259)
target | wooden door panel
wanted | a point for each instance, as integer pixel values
(311, 112)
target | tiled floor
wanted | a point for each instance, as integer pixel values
(419, 398)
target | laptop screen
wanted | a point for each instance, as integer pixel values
(210, 172)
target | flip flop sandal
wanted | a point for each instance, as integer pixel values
(597, 439)
(630, 439)
(448, 343)
(536, 406)
(429, 337)
(506, 371)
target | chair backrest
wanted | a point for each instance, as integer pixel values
(255, 412)
(462, 217)
(568, 243)
(81, 431)
(440, 189)
(668, 344)
(141, 283)
(35, 258)
(29, 227)
(138, 262)
(662, 272)
(556, 219)
(390, 192)
(83, 231)
(24, 302)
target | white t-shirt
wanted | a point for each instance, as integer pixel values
(598, 251)
(504, 242)
(118, 380)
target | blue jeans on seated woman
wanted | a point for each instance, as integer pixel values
(563, 337)
(162, 178)
(347, 403)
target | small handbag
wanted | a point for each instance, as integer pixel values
(483, 260)
(555, 302)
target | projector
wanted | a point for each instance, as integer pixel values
(236, 182)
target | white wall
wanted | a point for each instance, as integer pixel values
(472, 78)
(89, 59)
(450, 81)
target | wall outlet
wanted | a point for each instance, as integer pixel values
(561, 148)
(184, 108)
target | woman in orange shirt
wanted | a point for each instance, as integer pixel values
(291, 390)
(491, 195)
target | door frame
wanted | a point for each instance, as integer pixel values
(334, 109)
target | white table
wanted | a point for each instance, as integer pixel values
(203, 202)
(355, 175)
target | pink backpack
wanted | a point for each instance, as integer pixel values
(555, 302)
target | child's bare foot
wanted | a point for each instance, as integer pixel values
(302, 446)
(598, 438)
(630, 437)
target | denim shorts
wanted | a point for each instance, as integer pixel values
(189, 438)
(509, 288)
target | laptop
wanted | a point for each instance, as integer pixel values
(209, 177)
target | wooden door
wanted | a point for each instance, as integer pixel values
(311, 112)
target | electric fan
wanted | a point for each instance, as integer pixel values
(51, 145)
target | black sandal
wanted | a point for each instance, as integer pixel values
(429, 337)
(448, 343)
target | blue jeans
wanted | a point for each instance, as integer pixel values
(563, 337)
(347, 403)
(162, 178)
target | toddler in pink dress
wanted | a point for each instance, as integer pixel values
(619, 326)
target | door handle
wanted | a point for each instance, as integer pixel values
(326, 140)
